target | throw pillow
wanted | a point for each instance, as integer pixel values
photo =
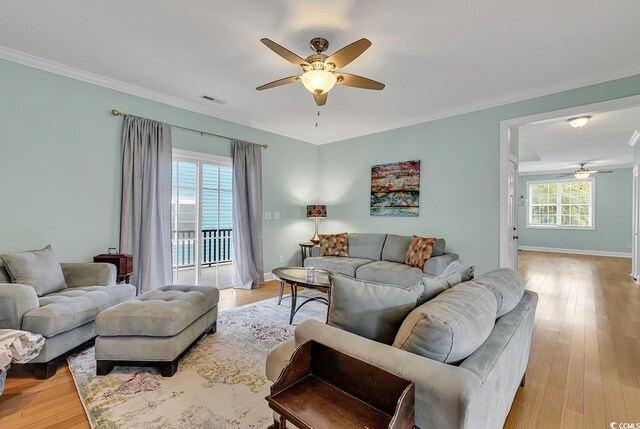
(334, 244)
(371, 310)
(451, 326)
(4, 274)
(506, 285)
(37, 268)
(420, 249)
(452, 275)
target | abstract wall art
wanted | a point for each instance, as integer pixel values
(395, 189)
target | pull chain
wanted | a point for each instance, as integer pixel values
(316, 120)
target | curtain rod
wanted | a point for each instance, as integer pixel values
(116, 112)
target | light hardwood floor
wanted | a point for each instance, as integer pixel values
(584, 367)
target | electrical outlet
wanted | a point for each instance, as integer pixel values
(267, 215)
(281, 258)
(276, 215)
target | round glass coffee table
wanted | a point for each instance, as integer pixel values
(297, 277)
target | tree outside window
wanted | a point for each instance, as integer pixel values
(561, 204)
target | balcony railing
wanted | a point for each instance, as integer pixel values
(216, 247)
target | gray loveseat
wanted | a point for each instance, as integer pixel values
(475, 393)
(380, 258)
(66, 317)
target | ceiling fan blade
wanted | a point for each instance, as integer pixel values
(284, 53)
(356, 81)
(349, 53)
(321, 99)
(279, 82)
(566, 174)
(600, 171)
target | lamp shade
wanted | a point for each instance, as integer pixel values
(318, 81)
(317, 211)
(581, 174)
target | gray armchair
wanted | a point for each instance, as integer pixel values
(66, 317)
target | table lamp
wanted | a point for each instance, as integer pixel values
(316, 211)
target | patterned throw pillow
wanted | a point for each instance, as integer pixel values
(420, 249)
(334, 244)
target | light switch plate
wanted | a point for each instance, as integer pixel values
(276, 215)
(267, 215)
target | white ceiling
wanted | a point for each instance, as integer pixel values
(437, 58)
(555, 146)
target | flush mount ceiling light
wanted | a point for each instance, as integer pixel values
(320, 71)
(579, 122)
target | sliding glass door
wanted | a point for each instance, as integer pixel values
(202, 220)
(216, 245)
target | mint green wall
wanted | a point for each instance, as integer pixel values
(60, 165)
(60, 169)
(460, 173)
(613, 217)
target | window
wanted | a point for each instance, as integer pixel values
(201, 219)
(564, 204)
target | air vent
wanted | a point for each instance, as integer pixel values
(215, 100)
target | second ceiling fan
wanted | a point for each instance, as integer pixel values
(320, 71)
(583, 173)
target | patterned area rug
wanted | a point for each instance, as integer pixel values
(221, 383)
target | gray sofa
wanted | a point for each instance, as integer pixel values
(380, 258)
(66, 317)
(474, 393)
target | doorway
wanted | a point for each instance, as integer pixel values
(513, 212)
(201, 220)
(634, 226)
(506, 231)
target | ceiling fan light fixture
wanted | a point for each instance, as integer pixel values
(581, 174)
(318, 81)
(318, 75)
(579, 122)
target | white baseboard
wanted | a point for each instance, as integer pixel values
(268, 276)
(576, 251)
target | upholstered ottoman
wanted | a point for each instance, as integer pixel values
(155, 329)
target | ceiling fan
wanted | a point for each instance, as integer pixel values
(320, 72)
(583, 173)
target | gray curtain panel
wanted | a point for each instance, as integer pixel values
(145, 220)
(247, 214)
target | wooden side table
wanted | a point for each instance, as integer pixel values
(122, 261)
(323, 388)
(305, 250)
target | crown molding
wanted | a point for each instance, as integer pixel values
(117, 85)
(491, 103)
(634, 138)
(219, 113)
